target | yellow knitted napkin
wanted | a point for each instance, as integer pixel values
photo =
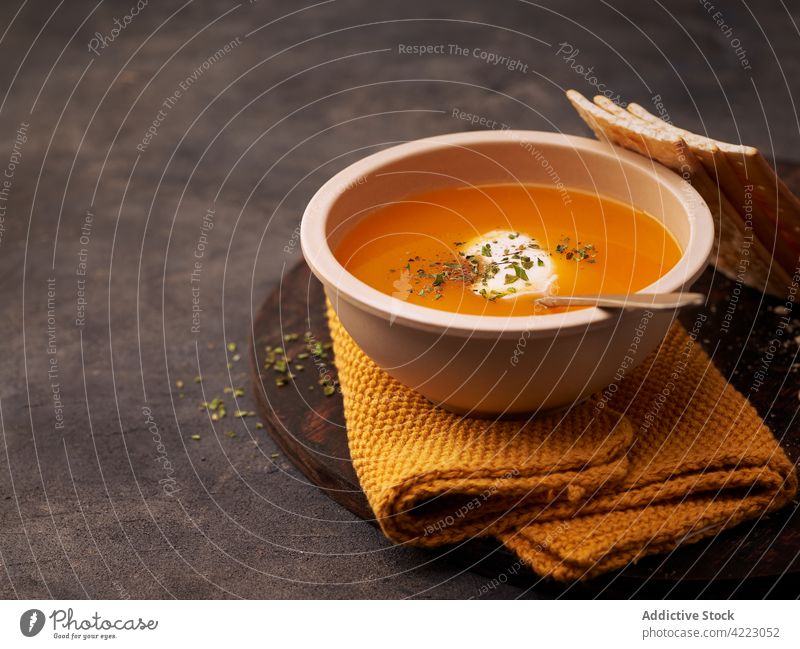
(573, 494)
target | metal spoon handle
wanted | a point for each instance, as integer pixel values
(632, 301)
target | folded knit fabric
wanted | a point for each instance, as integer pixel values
(575, 493)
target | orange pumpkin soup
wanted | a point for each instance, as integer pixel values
(494, 249)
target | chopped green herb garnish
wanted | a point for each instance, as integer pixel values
(581, 252)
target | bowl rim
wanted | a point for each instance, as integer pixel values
(325, 266)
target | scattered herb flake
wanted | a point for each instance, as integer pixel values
(582, 252)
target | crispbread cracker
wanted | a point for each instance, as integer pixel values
(751, 186)
(615, 125)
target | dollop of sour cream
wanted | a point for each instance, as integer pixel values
(509, 264)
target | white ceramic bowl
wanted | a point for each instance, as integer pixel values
(489, 365)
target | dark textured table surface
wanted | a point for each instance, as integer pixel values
(123, 144)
